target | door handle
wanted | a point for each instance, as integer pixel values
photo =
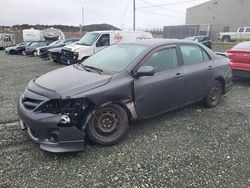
(178, 75)
(210, 67)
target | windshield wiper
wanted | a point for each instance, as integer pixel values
(87, 67)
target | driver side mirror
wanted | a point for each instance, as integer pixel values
(145, 71)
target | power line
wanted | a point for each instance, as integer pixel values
(160, 7)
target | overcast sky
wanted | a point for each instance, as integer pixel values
(115, 12)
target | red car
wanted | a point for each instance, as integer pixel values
(239, 56)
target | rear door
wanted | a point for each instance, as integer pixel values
(198, 70)
(162, 91)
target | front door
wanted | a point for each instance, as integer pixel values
(103, 42)
(162, 91)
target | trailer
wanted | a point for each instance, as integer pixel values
(7, 40)
(183, 31)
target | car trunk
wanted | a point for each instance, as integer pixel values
(239, 56)
(240, 59)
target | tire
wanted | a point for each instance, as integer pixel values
(23, 52)
(213, 96)
(226, 39)
(108, 125)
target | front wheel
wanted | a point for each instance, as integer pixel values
(108, 125)
(214, 94)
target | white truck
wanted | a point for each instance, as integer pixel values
(7, 40)
(243, 33)
(95, 41)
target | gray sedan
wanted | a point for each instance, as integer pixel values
(119, 85)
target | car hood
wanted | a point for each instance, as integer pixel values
(55, 49)
(71, 80)
(75, 47)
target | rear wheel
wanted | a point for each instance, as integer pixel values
(34, 53)
(226, 39)
(108, 125)
(23, 52)
(214, 94)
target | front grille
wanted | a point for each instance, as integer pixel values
(66, 55)
(30, 104)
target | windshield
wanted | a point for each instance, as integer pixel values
(88, 39)
(54, 43)
(115, 58)
(33, 44)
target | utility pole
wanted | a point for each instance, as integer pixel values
(82, 16)
(134, 16)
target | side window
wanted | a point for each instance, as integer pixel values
(241, 29)
(191, 54)
(205, 56)
(104, 40)
(163, 60)
(248, 29)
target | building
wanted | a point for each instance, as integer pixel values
(222, 15)
(183, 31)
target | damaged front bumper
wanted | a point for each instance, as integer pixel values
(46, 129)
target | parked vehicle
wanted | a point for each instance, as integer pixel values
(7, 40)
(32, 34)
(43, 51)
(201, 39)
(239, 56)
(243, 33)
(55, 53)
(121, 84)
(31, 48)
(95, 41)
(50, 34)
(18, 49)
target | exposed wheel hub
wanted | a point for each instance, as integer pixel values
(107, 122)
(214, 93)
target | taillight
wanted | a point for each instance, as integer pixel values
(230, 56)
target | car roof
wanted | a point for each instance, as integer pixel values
(160, 42)
(115, 31)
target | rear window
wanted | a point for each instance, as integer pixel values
(242, 46)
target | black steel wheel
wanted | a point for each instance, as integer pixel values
(108, 125)
(214, 94)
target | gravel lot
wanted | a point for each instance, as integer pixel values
(190, 147)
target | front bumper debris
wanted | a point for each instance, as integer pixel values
(45, 129)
